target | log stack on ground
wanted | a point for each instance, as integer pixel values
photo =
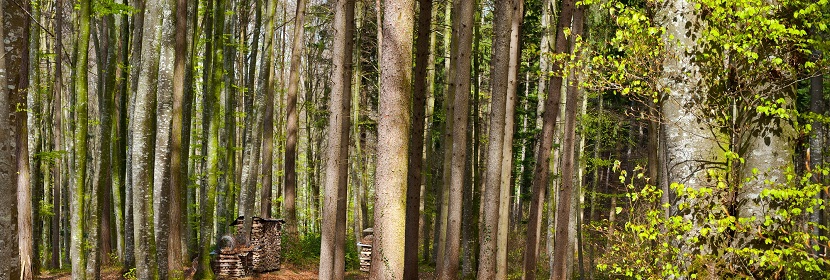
(365, 249)
(235, 258)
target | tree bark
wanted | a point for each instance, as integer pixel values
(144, 150)
(507, 148)
(541, 170)
(817, 139)
(293, 121)
(564, 219)
(416, 140)
(332, 248)
(178, 168)
(26, 218)
(393, 130)
(499, 79)
(164, 109)
(691, 142)
(80, 143)
(57, 92)
(8, 158)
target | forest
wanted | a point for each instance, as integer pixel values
(414, 139)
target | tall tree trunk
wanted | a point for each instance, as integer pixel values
(20, 73)
(416, 141)
(690, 146)
(164, 109)
(80, 143)
(8, 158)
(564, 218)
(178, 167)
(447, 140)
(135, 68)
(541, 171)
(507, 148)
(817, 141)
(462, 54)
(57, 92)
(293, 121)
(392, 148)
(332, 248)
(145, 150)
(213, 96)
(499, 79)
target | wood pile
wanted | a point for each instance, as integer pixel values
(260, 254)
(365, 249)
(231, 264)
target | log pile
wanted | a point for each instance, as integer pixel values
(238, 258)
(232, 264)
(365, 249)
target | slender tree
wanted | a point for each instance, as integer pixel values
(416, 141)
(25, 189)
(499, 76)
(392, 148)
(178, 168)
(80, 142)
(332, 251)
(464, 12)
(509, 121)
(10, 269)
(144, 151)
(564, 219)
(293, 121)
(541, 171)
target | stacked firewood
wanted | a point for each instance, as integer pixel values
(365, 248)
(233, 264)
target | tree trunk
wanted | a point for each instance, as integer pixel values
(541, 170)
(392, 148)
(817, 142)
(145, 150)
(500, 61)
(57, 92)
(213, 96)
(80, 143)
(293, 121)
(164, 109)
(462, 54)
(332, 248)
(8, 158)
(416, 141)
(20, 73)
(564, 218)
(507, 154)
(447, 140)
(691, 146)
(178, 167)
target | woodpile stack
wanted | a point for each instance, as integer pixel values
(232, 264)
(260, 254)
(365, 249)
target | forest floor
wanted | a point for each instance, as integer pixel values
(287, 272)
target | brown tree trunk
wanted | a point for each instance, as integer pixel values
(507, 155)
(178, 168)
(564, 219)
(500, 61)
(8, 158)
(332, 250)
(293, 121)
(416, 141)
(393, 132)
(462, 52)
(541, 170)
